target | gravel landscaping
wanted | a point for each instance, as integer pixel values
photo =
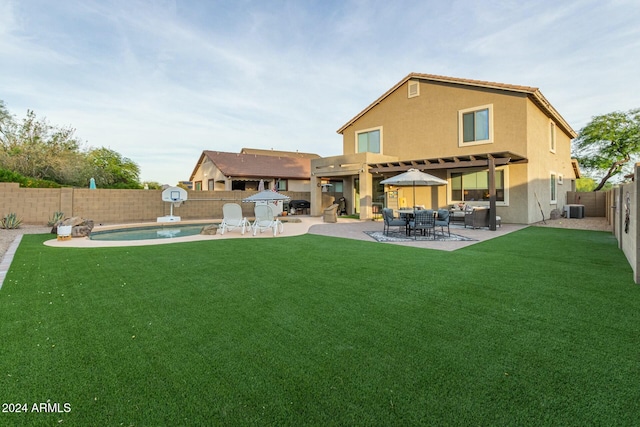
(7, 236)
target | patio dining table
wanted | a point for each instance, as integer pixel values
(406, 211)
(408, 214)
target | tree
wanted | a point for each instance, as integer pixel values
(6, 123)
(586, 184)
(41, 152)
(111, 170)
(608, 143)
(35, 148)
(152, 185)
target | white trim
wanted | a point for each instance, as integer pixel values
(553, 140)
(551, 200)
(413, 88)
(461, 143)
(505, 171)
(356, 133)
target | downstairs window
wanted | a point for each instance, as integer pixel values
(474, 186)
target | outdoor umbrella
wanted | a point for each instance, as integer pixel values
(266, 196)
(414, 177)
(261, 185)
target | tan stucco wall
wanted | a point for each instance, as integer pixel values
(299, 185)
(206, 171)
(516, 211)
(426, 126)
(542, 161)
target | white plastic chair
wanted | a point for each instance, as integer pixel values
(265, 219)
(232, 218)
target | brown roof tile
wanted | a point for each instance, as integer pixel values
(259, 166)
(279, 153)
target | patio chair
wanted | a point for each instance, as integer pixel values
(477, 217)
(232, 218)
(424, 221)
(442, 221)
(265, 219)
(390, 221)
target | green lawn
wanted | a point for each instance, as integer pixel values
(539, 327)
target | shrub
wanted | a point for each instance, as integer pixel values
(10, 176)
(10, 221)
(40, 183)
(57, 216)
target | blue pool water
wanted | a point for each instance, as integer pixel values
(148, 233)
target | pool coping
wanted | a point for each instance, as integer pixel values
(290, 229)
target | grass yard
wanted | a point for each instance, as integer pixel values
(539, 327)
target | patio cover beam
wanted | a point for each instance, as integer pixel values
(492, 193)
(476, 160)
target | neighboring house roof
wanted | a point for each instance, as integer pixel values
(576, 168)
(238, 165)
(533, 93)
(277, 153)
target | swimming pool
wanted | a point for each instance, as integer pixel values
(148, 233)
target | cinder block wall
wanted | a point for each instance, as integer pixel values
(37, 205)
(594, 202)
(113, 206)
(32, 205)
(626, 229)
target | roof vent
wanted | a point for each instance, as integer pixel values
(413, 89)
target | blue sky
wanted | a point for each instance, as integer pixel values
(160, 81)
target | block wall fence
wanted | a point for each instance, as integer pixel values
(594, 202)
(623, 208)
(37, 205)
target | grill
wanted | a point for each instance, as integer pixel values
(299, 204)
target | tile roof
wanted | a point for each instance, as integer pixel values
(240, 165)
(278, 153)
(532, 92)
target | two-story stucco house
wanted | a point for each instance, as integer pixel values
(459, 130)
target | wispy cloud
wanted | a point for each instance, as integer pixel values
(161, 81)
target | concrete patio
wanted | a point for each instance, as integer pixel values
(344, 228)
(355, 229)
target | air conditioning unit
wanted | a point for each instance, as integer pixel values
(574, 211)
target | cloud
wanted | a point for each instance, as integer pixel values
(161, 81)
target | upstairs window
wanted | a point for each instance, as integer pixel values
(369, 141)
(476, 125)
(552, 137)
